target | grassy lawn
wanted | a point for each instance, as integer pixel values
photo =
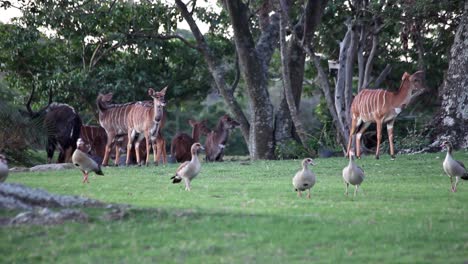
(239, 213)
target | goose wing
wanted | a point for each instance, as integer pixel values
(461, 164)
(183, 165)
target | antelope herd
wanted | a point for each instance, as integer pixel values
(124, 126)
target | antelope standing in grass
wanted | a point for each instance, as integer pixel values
(382, 107)
(216, 140)
(181, 143)
(145, 118)
(96, 137)
(62, 125)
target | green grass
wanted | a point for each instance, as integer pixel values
(249, 214)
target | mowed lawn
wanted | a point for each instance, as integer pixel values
(247, 212)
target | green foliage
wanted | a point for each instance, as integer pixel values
(250, 213)
(18, 135)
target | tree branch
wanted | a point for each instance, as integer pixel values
(382, 76)
(177, 36)
(216, 71)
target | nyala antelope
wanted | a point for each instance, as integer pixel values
(382, 107)
(144, 119)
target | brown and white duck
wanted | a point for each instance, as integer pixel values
(453, 168)
(353, 174)
(188, 170)
(304, 179)
(83, 161)
(3, 168)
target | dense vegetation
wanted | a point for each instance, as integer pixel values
(75, 50)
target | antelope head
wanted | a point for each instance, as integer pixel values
(158, 97)
(229, 123)
(200, 125)
(417, 82)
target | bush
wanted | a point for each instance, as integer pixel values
(17, 134)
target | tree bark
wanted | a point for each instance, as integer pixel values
(254, 67)
(285, 60)
(216, 71)
(451, 121)
(303, 35)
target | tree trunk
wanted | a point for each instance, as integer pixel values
(285, 60)
(254, 67)
(451, 121)
(303, 34)
(216, 71)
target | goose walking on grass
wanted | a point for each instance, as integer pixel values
(3, 168)
(453, 168)
(188, 170)
(304, 179)
(83, 161)
(353, 174)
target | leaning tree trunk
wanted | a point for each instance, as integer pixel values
(451, 121)
(254, 60)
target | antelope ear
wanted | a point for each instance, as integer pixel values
(151, 92)
(405, 76)
(163, 91)
(107, 97)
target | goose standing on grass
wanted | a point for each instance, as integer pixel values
(83, 161)
(352, 174)
(304, 179)
(454, 168)
(188, 170)
(3, 168)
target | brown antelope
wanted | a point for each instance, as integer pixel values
(120, 119)
(382, 107)
(113, 118)
(216, 140)
(181, 143)
(146, 119)
(96, 137)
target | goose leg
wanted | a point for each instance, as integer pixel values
(456, 183)
(308, 193)
(85, 177)
(299, 194)
(451, 184)
(346, 188)
(356, 189)
(187, 184)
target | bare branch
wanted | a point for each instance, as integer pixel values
(237, 77)
(177, 36)
(382, 76)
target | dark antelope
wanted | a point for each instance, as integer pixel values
(62, 124)
(181, 143)
(216, 140)
(380, 107)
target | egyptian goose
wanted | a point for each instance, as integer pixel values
(189, 169)
(453, 168)
(352, 174)
(3, 168)
(304, 179)
(83, 161)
